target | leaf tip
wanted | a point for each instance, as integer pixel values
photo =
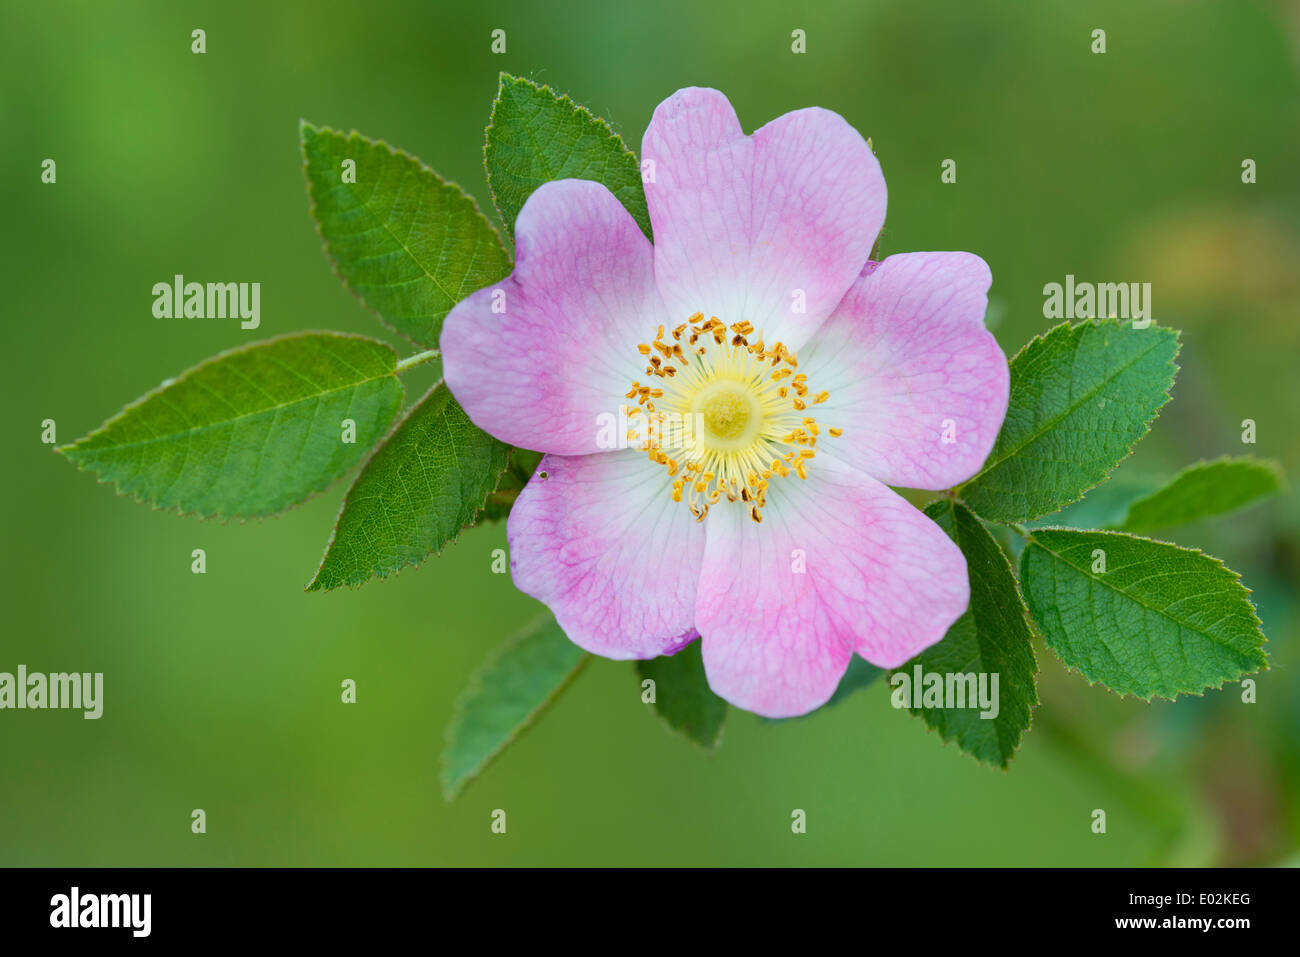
(450, 787)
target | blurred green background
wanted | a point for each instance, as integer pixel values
(222, 690)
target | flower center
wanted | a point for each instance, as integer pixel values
(727, 417)
(731, 412)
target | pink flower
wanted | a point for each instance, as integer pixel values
(806, 380)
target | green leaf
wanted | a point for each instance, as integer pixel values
(1141, 617)
(1081, 397)
(992, 637)
(1103, 507)
(251, 431)
(683, 697)
(429, 480)
(522, 465)
(410, 244)
(1202, 490)
(536, 136)
(504, 697)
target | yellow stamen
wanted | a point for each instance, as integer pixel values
(733, 422)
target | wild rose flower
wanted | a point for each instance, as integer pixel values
(807, 378)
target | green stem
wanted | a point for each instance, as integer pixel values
(410, 362)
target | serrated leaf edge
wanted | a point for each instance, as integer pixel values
(1273, 467)
(1092, 682)
(564, 99)
(1042, 337)
(1030, 625)
(211, 360)
(303, 127)
(408, 563)
(452, 789)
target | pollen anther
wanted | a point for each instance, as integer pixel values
(739, 405)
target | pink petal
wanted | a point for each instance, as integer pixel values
(741, 223)
(563, 353)
(602, 543)
(880, 579)
(906, 359)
